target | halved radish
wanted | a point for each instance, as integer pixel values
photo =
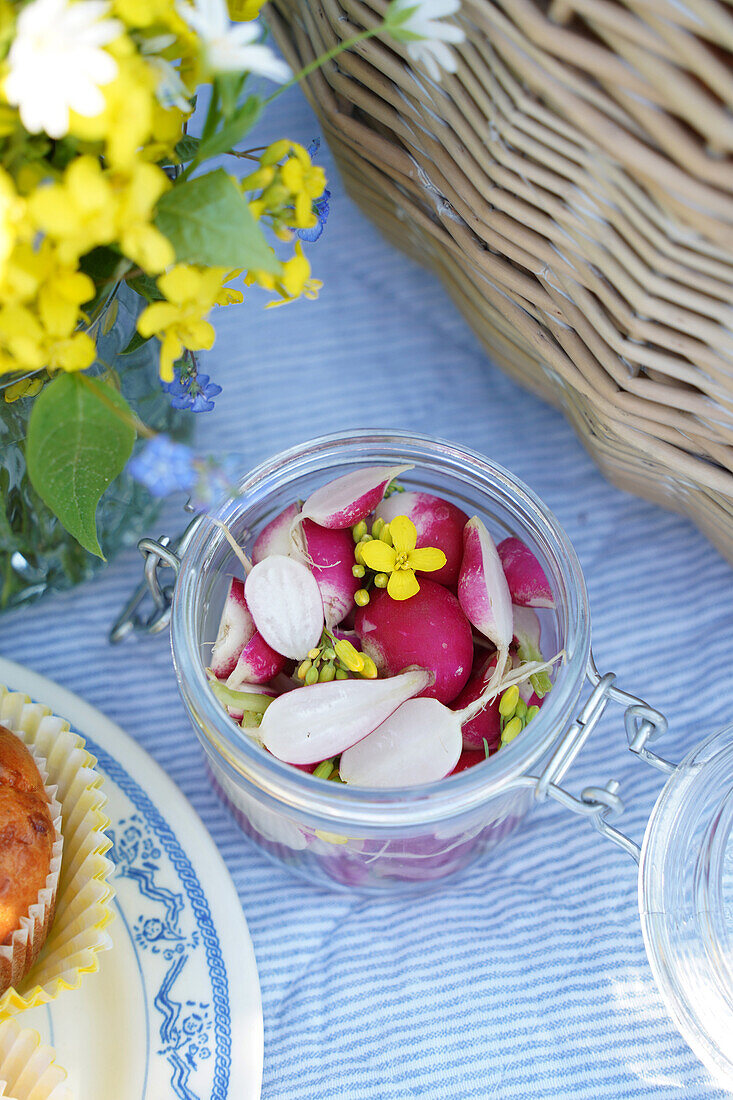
(285, 603)
(236, 627)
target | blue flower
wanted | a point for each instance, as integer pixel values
(163, 466)
(321, 209)
(190, 390)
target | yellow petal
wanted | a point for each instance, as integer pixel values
(403, 584)
(377, 555)
(426, 558)
(157, 316)
(404, 534)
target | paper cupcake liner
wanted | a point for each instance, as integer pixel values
(27, 1069)
(19, 956)
(77, 933)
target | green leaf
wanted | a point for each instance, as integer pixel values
(147, 288)
(187, 148)
(80, 435)
(136, 342)
(233, 130)
(207, 220)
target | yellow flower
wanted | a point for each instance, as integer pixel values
(287, 190)
(22, 338)
(12, 211)
(75, 353)
(79, 212)
(178, 322)
(244, 11)
(126, 122)
(402, 559)
(139, 239)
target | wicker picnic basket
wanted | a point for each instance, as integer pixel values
(572, 184)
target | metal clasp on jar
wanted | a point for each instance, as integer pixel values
(163, 552)
(643, 724)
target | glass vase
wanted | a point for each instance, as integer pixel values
(37, 554)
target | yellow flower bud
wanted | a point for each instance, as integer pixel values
(511, 730)
(508, 701)
(361, 597)
(348, 655)
(369, 671)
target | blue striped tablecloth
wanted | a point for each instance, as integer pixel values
(528, 977)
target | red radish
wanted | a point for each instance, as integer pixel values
(350, 499)
(330, 555)
(525, 576)
(321, 720)
(438, 523)
(486, 725)
(285, 603)
(483, 591)
(258, 662)
(236, 627)
(428, 630)
(275, 537)
(468, 759)
(420, 742)
(527, 631)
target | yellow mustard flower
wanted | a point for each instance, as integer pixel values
(402, 558)
(244, 11)
(139, 239)
(79, 212)
(179, 321)
(288, 189)
(126, 122)
(77, 352)
(60, 297)
(22, 339)
(12, 213)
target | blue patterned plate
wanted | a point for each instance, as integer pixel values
(174, 1012)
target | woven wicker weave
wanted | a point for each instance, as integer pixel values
(572, 185)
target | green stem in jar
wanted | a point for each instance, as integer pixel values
(240, 700)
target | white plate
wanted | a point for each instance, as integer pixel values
(174, 1012)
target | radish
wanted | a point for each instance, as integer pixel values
(275, 537)
(285, 603)
(527, 632)
(484, 727)
(468, 759)
(317, 722)
(349, 499)
(428, 630)
(420, 742)
(483, 591)
(438, 523)
(236, 627)
(330, 555)
(525, 576)
(258, 662)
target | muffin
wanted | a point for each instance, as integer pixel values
(30, 858)
(53, 913)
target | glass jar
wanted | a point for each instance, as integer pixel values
(339, 835)
(377, 841)
(37, 554)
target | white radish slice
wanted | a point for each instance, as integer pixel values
(285, 603)
(419, 743)
(275, 537)
(350, 499)
(483, 592)
(235, 630)
(321, 720)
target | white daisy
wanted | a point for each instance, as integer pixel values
(57, 63)
(228, 48)
(417, 22)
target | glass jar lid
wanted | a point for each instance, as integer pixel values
(686, 900)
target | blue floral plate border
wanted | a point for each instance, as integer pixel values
(175, 1010)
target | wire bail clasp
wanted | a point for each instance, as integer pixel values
(163, 552)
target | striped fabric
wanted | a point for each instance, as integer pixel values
(527, 978)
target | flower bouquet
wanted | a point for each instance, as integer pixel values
(118, 237)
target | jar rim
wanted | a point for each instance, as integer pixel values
(366, 808)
